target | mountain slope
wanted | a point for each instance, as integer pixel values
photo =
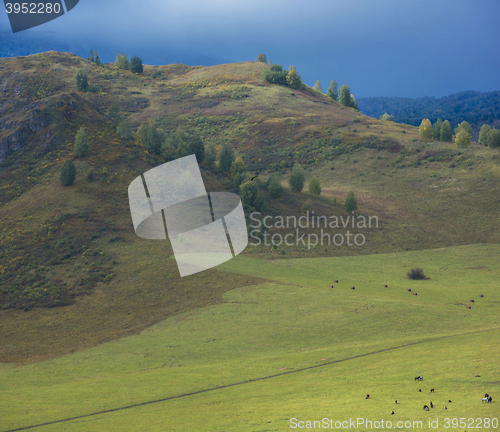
(73, 247)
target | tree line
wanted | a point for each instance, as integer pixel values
(472, 106)
(291, 78)
(442, 131)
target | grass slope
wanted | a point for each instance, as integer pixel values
(291, 323)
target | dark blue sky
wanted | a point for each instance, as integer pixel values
(379, 48)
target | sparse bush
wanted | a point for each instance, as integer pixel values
(314, 186)
(385, 117)
(307, 206)
(494, 138)
(124, 130)
(81, 147)
(416, 274)
(282, 252)
(90, 175)
(226, 157)
(157, 74)
(351, 203)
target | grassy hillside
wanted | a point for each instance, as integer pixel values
(69, 254)
(289, 348)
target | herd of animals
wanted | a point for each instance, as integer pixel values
(486, 398)
(414, 293)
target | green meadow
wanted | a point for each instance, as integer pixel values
(290, 348)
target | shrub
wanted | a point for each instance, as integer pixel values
(282, 252)
(416, 274)
(274, 75)
(275, 188)
(92, 88)
(68, 173)
(385, 117)
(307, 206)
(90, 175)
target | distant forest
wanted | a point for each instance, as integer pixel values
(475, 107)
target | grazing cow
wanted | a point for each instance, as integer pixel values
(432, 390)
(419, 378)
(449, 401)
(336, 281)
(485, 399)
(408, 289)
(353, 288)
(331, 286)
(392, 413)
(432, 406)
(468, 307)
(472, 301)
(426, 408)
(396, 401)
(480, 295)
(477, 376)
(420, 390)
(414, 293)
(385, 286)
(367, 396)
(445, 407)
(490, 399)
(486, 395)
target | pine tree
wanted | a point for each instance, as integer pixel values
(275, 188)
(262, 58)
(351, 203)
(81, 80)
(494, 138)
(91, 56)
(293, 79)
(226, 157)
(483, 134)
(333, 90)
(345, 95)
(81, 147)
(463, 138)
(67, 174)
(446, 134)
(436, 129)
(136, 65)
(425, 129)
(296, 180)
(314, 186)
(317, 87)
